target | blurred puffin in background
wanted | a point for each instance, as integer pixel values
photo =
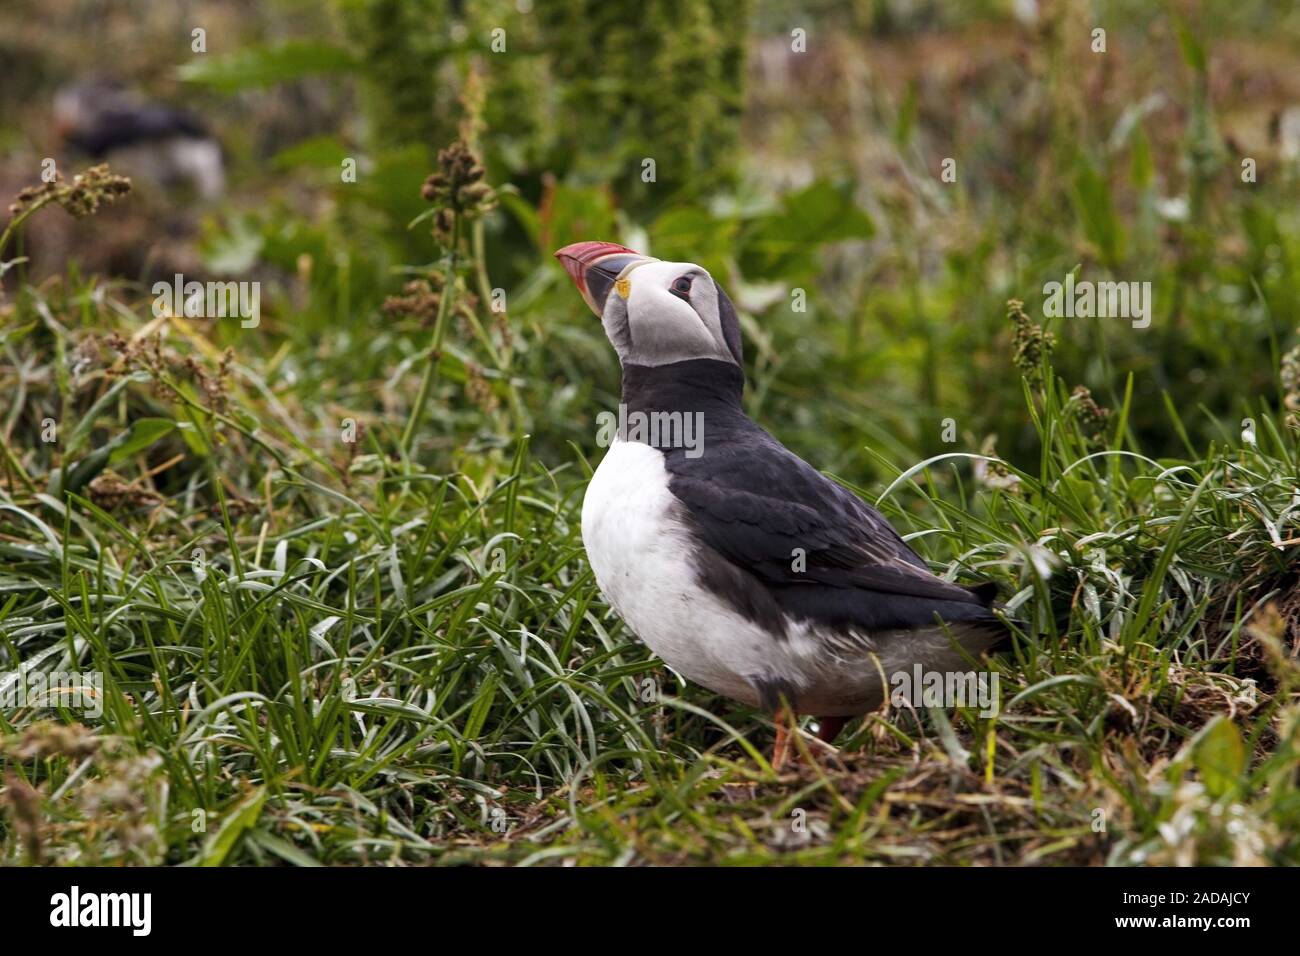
(142, 139)
(742, 566)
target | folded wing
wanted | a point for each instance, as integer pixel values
(818, 551)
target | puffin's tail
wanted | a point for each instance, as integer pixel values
(986, 593)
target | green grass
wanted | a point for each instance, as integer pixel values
(307, 662)
(331, 568)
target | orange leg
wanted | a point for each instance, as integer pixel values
(781, 746)
(828, 728)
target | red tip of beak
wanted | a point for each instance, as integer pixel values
(577, 257)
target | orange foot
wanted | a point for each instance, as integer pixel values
(828, 729)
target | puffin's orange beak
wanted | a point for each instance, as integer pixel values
(595, 266)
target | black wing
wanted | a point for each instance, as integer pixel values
(117, 127)
(818, 551)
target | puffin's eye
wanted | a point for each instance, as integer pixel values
(681, 287)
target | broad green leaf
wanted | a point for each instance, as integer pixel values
(235, 249)
(1093, 203)
(691, 234)
(237, 820)
(267, 65)
(319, 152)
(784, 242)
(142, 433)
(1220, 757)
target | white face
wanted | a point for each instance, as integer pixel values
(671, 313)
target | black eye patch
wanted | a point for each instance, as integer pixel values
(681, 288)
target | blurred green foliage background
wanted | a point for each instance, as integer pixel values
(776, 169)
(389, 629)
(792, 151)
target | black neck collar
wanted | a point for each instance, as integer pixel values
(689, 385)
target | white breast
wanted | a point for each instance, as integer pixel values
(642, 556)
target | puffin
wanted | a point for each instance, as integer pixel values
(740, 565)
(104, 120)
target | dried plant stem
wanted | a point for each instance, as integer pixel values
(22, 217)
(504, 358)
(435, 347)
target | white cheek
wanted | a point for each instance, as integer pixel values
(662, 326)
(667, 321)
